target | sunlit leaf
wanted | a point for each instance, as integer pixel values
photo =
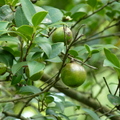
(26, 30)
(38, 18)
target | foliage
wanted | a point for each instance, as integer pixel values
(26, 28)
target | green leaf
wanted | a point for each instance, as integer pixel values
(78, 15)
(17, 67)
(54, 60)
(16, 79)
(6, 57)
(14, 2)
(8, 106)
(64, 116)
(77, 8)
(50, 112)
(29, 90)
(73, 53)
(108, 63)
(3, 25)
(20, 18)
(54, 13)
(9, 38)
(92, 114)
(46, 47)
(38, 18)
(115, 100)
(28, 9)
(26, 30)
(6, 14)
(56, 49)
(92, 3)
(60, 105)
(112, 58)
(91, 50)
(35, 67)
(2, 2)
(69, 104)
(49, 99)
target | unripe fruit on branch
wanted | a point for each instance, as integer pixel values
(3, 68)
(62, 34)
(73, 74)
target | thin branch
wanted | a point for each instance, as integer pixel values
(87, 16)
(100, 37)
(107, 85)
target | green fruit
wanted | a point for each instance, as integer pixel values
(3, 68)
(73, 74)
(34, 77)
(62, 35)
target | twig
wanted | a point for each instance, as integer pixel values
(100, 37)
(87, 16)
(107, 85)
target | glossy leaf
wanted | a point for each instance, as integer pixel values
(54, 60)
(108, 63)
(17, 67)
(28, 9)
(26, 30)
(20, 18)
(91, 50)
(73, 53)
(46, 47)
(115, 100)
(3, 25)
(112, 58)
(56, 49)
(35, 67)
(54, 13)
(9, 38)
(38, 18)
(49, 99)
(29, 90)
(92, 114)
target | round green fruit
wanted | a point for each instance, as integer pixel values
(34, 77)
(62, 34)
(73, 74)
(3, 68)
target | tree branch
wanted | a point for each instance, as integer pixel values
(87, 16)
(83, 99)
